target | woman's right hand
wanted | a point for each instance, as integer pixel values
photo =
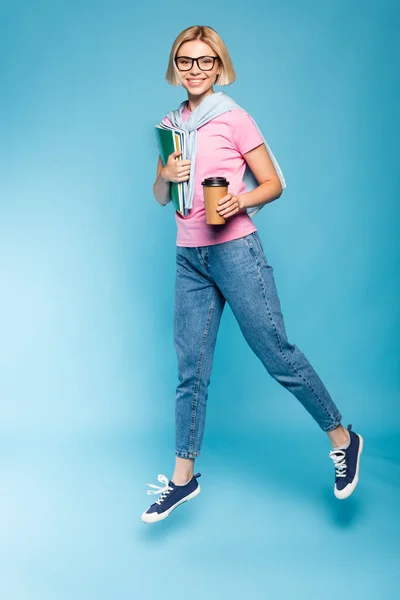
(176, 170)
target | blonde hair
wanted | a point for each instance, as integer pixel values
(209, 36)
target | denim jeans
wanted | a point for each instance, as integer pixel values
(239, 273)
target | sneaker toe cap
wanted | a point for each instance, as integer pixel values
(150, 517)
(153, 509)
(341, 484)
(347, 490)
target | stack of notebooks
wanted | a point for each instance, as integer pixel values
(171, 140)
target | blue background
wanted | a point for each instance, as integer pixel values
(87, 365)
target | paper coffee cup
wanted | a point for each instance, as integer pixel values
(214, 188)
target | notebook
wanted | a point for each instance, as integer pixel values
(168, 141)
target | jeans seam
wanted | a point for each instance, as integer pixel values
(335, 424)
(182, 454)
(260, 247)
(320, 400)
(203, 259)
(196, 387)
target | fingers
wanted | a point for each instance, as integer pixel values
(173, 158)
(229, 206)
(225, 201)
(182, 169)
(183, 176)
(180, 163)
(229, 214)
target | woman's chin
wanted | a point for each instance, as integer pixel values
(197, 91)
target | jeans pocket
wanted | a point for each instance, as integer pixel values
(259, 246)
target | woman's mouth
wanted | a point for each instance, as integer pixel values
(194, 82)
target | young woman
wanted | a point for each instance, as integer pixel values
(226, 263)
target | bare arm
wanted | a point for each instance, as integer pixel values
(161, 186)
(269, 186)
(174, 170)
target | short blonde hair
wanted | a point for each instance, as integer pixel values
(209, 36)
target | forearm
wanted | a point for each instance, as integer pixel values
(161, 189)
(264, 193)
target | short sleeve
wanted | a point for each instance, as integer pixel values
(245, 133)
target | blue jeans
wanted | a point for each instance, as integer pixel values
(237, 272)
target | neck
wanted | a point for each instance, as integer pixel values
(194, 101)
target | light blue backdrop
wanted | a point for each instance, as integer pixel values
(87, 364)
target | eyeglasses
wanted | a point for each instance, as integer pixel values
(205, 63)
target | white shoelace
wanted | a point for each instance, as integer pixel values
(339, 460)
(164, 491)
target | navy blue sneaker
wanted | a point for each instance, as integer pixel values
(172, 495)
(347, 463)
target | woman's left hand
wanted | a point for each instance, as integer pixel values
(229, 205)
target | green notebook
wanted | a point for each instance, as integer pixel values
(168, 141)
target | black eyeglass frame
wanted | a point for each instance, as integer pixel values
(197, 62)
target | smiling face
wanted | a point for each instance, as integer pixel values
(196, 81)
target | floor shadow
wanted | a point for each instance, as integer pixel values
(163, 530)
(343, 513)
(296, 466)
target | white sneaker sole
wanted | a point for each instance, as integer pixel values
(154, 517)
(349, 489)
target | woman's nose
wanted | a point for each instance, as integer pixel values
(195, 69)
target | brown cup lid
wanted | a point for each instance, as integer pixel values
(215, 182)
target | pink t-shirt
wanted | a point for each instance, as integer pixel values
(221, 144)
